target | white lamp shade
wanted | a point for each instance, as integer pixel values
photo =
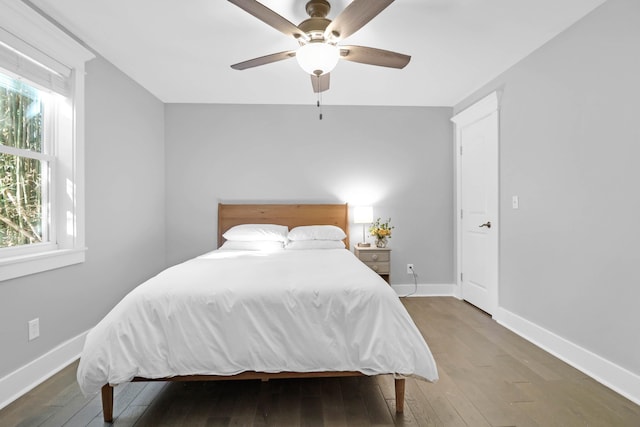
(318, 58)
(363, 214)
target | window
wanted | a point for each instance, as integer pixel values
(41, 144)
(24, 164)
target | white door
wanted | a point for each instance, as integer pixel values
(477, 148)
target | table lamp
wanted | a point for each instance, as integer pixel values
(363, 215)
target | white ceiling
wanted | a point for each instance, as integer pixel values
(181, 50)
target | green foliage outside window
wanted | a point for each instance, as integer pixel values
(20, 173)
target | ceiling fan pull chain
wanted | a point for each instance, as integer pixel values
(319, 99)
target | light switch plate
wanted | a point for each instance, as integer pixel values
(34, 329)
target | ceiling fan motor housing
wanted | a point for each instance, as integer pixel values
(314, 27)
(317, 22)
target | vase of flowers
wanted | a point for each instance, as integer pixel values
(381, 231)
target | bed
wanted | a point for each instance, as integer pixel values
(239, 314)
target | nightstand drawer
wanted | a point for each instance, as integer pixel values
(377, 259)
(374, 256)
(379, 267)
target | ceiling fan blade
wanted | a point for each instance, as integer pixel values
(263, 60)
(320, 83)
(354, 17)
(269, 17)
(373, 56)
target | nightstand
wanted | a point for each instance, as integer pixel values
(378, 259)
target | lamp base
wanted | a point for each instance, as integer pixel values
(364, 245)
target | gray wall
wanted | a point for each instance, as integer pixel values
(570, 146)
(397, 159)
(124, 222)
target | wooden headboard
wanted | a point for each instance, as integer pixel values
(291, 215)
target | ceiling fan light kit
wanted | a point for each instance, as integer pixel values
(318, 58)
(318, 37)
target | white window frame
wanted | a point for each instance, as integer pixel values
(27, 32)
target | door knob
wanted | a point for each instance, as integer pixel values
(486, 224)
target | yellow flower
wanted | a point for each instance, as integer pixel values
(381, 229)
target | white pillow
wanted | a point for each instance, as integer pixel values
(315, 244)
(317, 232)
(257, 232)
(260, 245)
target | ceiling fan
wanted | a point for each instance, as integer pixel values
(318, 37)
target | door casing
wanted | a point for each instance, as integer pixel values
(481, 109)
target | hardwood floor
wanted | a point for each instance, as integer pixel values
(488, 377)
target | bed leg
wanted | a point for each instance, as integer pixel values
(107, 403)
(399, 395)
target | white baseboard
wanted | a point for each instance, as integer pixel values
(34, 373)
(425, 289)
(604, 371)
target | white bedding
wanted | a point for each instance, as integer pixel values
(232, 311)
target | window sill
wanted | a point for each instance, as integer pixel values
(23, 265)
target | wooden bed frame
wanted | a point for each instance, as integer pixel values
(291, 215)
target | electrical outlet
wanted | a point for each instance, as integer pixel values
(34, 329)
(409, 268)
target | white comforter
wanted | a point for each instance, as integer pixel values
(232, 311)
